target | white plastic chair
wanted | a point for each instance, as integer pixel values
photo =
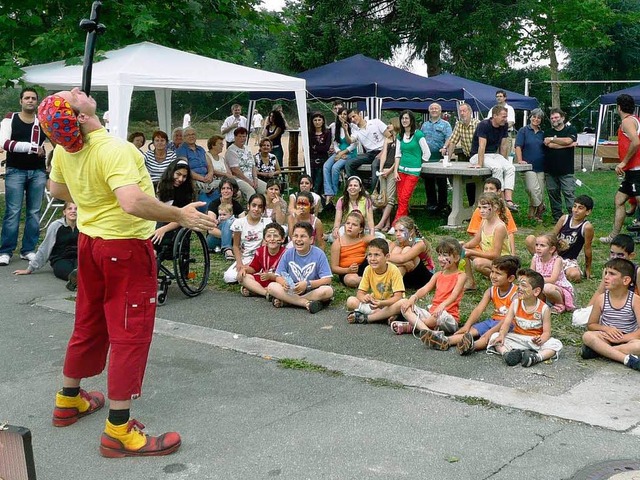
(51, 210)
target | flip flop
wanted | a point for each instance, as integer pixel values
(276, 302)
(228, 255)
(245, 292)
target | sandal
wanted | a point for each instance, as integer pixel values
(268, 297)
(512, 206)
(314, 306)
(357, 317)
(400, 328)
(276, 302)
(228, 255)
(245, 292)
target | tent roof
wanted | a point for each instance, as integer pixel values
(479, 95)
(359, 77)
(610, 98)
(144, 65)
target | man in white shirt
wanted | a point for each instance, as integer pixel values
(501, 100)
(370, 135)
(256, 124)
(233, 121)
(186, 120)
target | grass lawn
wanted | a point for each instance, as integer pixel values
(600, 185)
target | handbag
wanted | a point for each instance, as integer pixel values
(379, 196)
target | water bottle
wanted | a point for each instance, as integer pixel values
(290, 282)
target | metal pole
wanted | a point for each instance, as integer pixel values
(93, 29)
(526, 92)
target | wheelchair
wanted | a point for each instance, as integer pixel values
(190, 264)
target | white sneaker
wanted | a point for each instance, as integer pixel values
(392, 231)
(28, 256)
(4, 259)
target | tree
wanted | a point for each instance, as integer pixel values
(548, 25)
(39, 31)
(618, 61)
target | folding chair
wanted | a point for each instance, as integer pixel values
(50, 211)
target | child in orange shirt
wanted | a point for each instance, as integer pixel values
(530, 342)
(444, 312)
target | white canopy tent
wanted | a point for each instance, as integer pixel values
(147, 66)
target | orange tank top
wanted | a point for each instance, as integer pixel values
(354, 253)
(445, 283)
(528, 322)
(501, 303)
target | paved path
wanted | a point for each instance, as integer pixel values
(243, 416)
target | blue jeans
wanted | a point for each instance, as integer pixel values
(227, 236)
(17, 183)
(331, 174)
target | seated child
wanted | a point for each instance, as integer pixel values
(490, 241)
(381, 289)
(501, 292)
(303, 276)
(348, 252)
(443, 313)
(546, 261)
(492, 184)
(411, 253)
(576, 232)
(622, 246)
(247, 237)
(530, 342)
(261, 271)
(612, 331)
(303, 212)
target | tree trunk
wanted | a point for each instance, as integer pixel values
(555, 87)
(432, 59)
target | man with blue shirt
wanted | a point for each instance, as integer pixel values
(530, 149)
(436, 131)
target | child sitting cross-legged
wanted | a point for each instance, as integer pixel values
(444, 312)
(261, 271)
(530, 342)
(612, 330)
(546, 261)
(474, 336)
(303, 276)
(380, 290)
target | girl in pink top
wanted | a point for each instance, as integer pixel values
(548, 263)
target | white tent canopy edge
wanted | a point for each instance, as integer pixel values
(144, 66)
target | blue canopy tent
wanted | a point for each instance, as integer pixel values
(480, 96)
(363, 78)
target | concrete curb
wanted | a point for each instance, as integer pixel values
(609, 399)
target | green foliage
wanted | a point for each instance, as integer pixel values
(34, 32)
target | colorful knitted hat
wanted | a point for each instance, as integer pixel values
(59, 123)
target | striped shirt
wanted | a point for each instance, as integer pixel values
(156, 169)
(624, 319)
(463, 135)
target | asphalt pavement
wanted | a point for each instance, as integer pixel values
(387, 408)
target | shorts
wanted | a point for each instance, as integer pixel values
(488, 324)
(445, 322)
(630, 185)
(515, 341)
(568, 263)
(361, 268)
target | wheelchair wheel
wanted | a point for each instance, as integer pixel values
(191, 263)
